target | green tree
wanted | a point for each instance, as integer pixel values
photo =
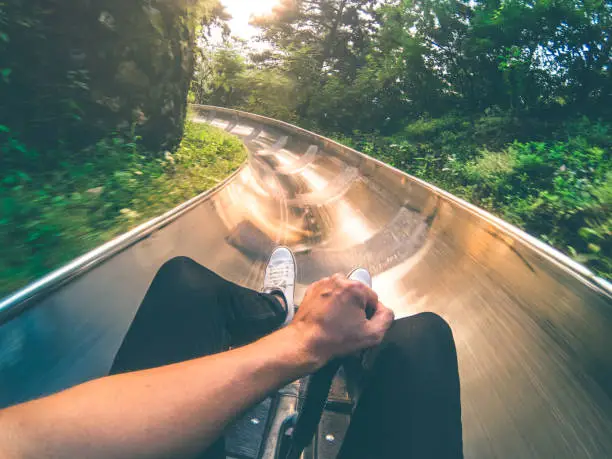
(225, 76)
(217, 77)
(319, 40)
(73, 71)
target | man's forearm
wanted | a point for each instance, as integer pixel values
(176, 409)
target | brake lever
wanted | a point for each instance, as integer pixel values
(310, 415)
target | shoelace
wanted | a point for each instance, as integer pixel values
(278, 275)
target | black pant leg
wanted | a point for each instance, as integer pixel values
(410, 407)
(188, 312)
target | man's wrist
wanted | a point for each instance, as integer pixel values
(298, 349)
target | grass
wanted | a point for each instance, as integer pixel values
(51, 215)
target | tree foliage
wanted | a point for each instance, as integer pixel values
(73, 71)
(392, 60)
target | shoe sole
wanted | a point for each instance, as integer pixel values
(355, 269)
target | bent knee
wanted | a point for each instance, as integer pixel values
(423, 325)
(176, 264)
(180, 271)
(433, 322)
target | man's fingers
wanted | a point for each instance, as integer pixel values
(365, 293)
(380, 322)
(352, 290)
(366, 296)
(371, 297)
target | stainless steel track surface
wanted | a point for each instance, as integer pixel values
(533, 330)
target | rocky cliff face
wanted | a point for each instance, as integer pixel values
(72, 71)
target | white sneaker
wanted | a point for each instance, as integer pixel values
(362, 275)
(280, 278)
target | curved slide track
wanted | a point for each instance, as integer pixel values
(533, 329)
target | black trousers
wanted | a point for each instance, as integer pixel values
(410, 406)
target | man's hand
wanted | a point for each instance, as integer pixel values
(332, 320)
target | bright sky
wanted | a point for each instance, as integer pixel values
(242, 10)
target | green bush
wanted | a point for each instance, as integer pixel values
(49, 216)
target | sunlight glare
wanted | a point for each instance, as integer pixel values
(242, 11)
